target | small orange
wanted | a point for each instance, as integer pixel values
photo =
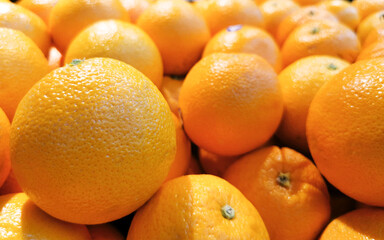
(21, 219)
(299, 83)
(274, 12)
(197, 207)
(298, 18)
(245, 39)
(104, 232)
(376, 34)
(321, 38)
(179, 32)
(18, 18)
(54, 58)
(119, 40)
(221, 14)
(69, 17)
(215, 164)
(344, 131)
(367, 7)
(287, 190)
(360, 224)
(135, 7)
(10, 185)
(5, 162)
(231, 103)
(42, 8)
(375, 50)
(343, 10)
(171, 90)
(373, 21)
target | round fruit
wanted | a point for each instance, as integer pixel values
(375, 50)
(308, 2)
(231, 103)
(135, 7)
(215, 164)
(42, 8)
(367, 7)
(373, 21)
(5, 162)
(197, 207)
(376, 34)
(344, 11)
(104, 232)
(92, 141)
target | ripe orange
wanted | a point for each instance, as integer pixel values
(18, 18)
(171, 90)
(104, 232)
(360, 224)
(135, 7)
(343, 10)
(92, 141)
(215, 164)
(21, 219)
(308, 2)
(10, 185)
(344, 131)
(42, 8)
(376, 34)
(119, 40)
(197, 207)
(299, 83)
(321, 38)
(245, 39)
(286, 189)
(221, 14)
(367, 7)
(22, 64)
(69, 17)
(375, 50)
(231, 103)
(298, 18)
(5, 162)
(274, 12)
(373, 21)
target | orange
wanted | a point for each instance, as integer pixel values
(343, 10)
(299, 83)
(86, 145)
(197, 207)
(231, 103)
(179, 32)
(54, 58)
(344, 131)
(21, 219)
(274, 12)
(308, 2)
(220, 14)
(373, 21)
(183, 152)
(10, 185)
(215, 164)
(376, 34)
(171, 89)
(375, 50)
(69, 17)
(22, 64)
(5, 162)
(367, 7)
(321, 38)
(245, 39)
(41, 7)
(298, 18)
(119, 40)
(135, 7)
(194, 167)
(18, 18)
(104, 232)
(286, 189)
(360, 224)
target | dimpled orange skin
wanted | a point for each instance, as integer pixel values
(344, 131)
(189, 207)
(21, 219)
(93, 142)
(119, 40)
(179, 32)
(375, 50)
(376, 34)
(104, 232)
(245, 39)
(373, 21)
(41, 7)
(367, 7)
(5, 161)
(69, 17)
(321, 38)
(231, 103)
(19, 18)
(343, 10)
(295, 212)
(220, 14)
(299, 83)
(135, 7)
(22, 64)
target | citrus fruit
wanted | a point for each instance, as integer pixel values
(179, 32)
(373, 21)
(135, 7)
(245, 39)
(42, 8)
(171, 89)
(308, 2)
(376, 34)
(344, 128)
(197, 207)
(367, 7)
(194, 167)
(5, 162)
(54, 58)
(92, 141)
(119, 40)
(104, 232)
(375, 50)
(69, 17)
(231, 103)
(215, 164)
(10, 185)
(21, 219)
(286, 189)
(343, 10)
(299, 83)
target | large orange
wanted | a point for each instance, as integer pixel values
(367, 7)
(343, 10)
(220, 14)
(92, 141)
(286, 189)
(299, 83)
(245, 39)
(321, 38)
(119, 40)
(171, 90)
(135, 7)
(373, 21)
(69, 17)
(231, 103)
(104, 232)
(179, 32)
(5, 162)
(374, 50)
(21, 219)
(18, 18)
(360, 224)
(197, 207)
(344, 131)
(22, 64)
(42, 8)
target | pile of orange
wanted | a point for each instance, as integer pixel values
(191, 119)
